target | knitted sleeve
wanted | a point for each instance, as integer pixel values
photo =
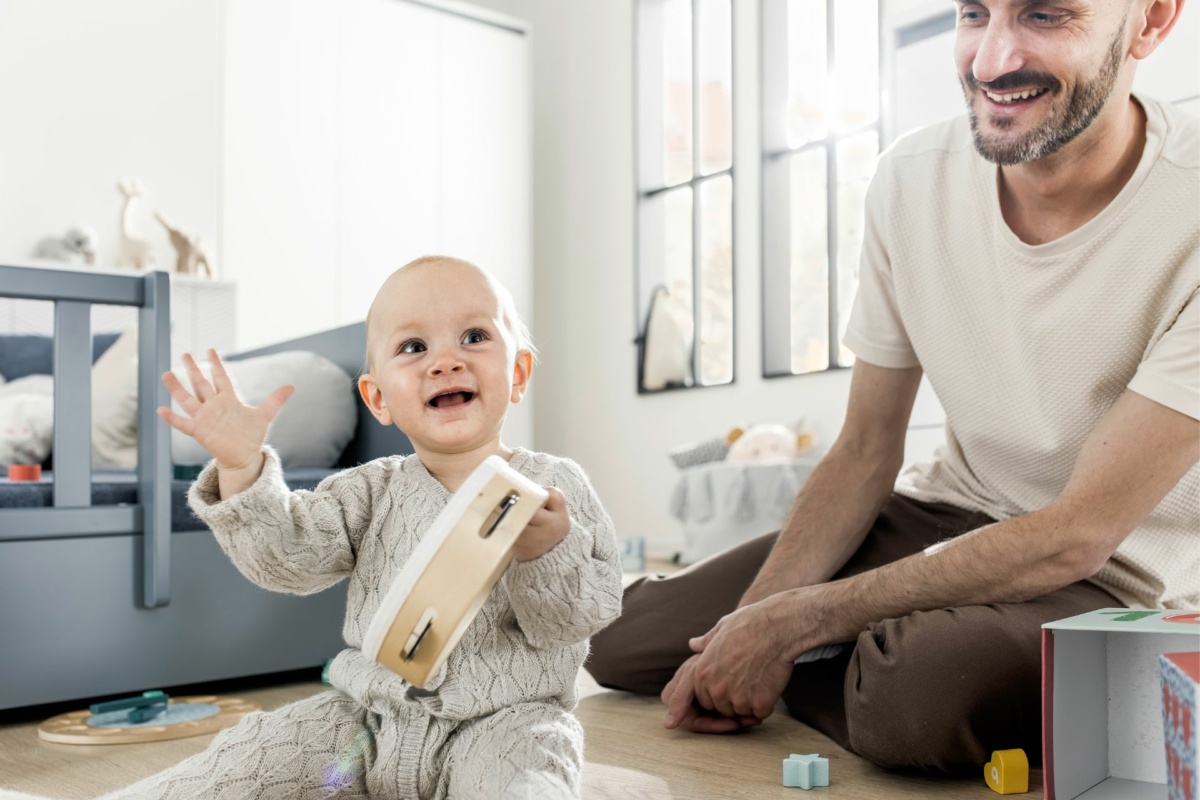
(296, 542)
(574, 590)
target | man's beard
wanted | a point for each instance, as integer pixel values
(1082, 107)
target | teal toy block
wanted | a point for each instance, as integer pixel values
(805, 772)
(140, 708)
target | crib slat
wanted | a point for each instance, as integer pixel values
(154, 442)
(21, 524)
(72, 404)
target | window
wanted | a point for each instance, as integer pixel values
(685, 193)
(821, 137)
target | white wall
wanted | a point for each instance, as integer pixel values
(584, 205)
(93, 92)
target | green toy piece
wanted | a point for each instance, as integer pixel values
(142, 707)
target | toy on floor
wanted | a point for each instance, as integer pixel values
(633, 553)
(451, 572)
(149, 717)
(805, 772)
(1007, 772)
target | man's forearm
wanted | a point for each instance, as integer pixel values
(1011, 561)
(828, 521)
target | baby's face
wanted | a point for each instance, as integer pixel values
(444, 365)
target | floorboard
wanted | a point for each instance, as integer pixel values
(630, 756)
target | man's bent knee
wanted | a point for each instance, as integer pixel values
(923, 693)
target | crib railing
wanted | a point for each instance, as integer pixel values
(72, 514)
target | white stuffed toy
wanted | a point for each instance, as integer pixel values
(766, 442)
(26, 420)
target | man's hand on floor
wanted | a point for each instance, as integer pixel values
(744, 662)
(683, 710)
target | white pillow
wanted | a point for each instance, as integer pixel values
(114, 405)
(313, 427)
(26, 420)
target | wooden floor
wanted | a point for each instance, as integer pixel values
(630, 756)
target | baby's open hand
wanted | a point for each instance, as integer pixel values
(231, 431)
(548, 527)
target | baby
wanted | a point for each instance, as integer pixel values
(447, 355)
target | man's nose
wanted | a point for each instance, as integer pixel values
(1000, 51)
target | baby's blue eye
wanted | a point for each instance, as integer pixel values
(412, 346)
(475, 337)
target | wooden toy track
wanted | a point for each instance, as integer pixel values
(72, 727)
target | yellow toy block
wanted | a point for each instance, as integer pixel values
(1007, 772)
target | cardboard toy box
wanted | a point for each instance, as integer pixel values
(1181, 730)
(1102, 714)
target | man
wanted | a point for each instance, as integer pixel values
(1042, 265)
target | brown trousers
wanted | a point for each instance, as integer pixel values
(934, 690)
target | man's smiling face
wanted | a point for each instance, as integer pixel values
(1037, 74)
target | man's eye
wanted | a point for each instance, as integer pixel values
(475, 337)
(1042, 18)
(412, 346)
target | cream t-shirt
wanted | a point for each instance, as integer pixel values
(1027, 346)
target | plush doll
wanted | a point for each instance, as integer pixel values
(766, 441)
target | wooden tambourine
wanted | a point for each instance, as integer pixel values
(452, 571)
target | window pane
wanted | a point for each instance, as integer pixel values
(808, 84)
(810, 262)
(665, 260)
(716, 85)
(856, 58)
(677, 90)
(677, 258)
(855, 164)
(716, 276)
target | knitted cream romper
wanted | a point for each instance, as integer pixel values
(494, 722)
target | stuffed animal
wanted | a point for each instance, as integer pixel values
(191, 256)
(132, 250)
(77, 246)
(766, 441)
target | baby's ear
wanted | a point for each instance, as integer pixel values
(522, 372)
(372, 395)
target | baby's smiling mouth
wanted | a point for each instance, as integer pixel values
(451, 399)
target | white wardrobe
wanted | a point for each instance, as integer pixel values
(359, 134)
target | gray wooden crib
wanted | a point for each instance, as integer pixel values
(107, 583)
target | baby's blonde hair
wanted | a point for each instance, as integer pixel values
(508, 307)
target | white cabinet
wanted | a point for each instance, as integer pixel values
(203, 313)
(389, 145)
(279, 190)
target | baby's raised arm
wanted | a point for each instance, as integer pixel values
(287, 541)
(231, 431)
(292, 541)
